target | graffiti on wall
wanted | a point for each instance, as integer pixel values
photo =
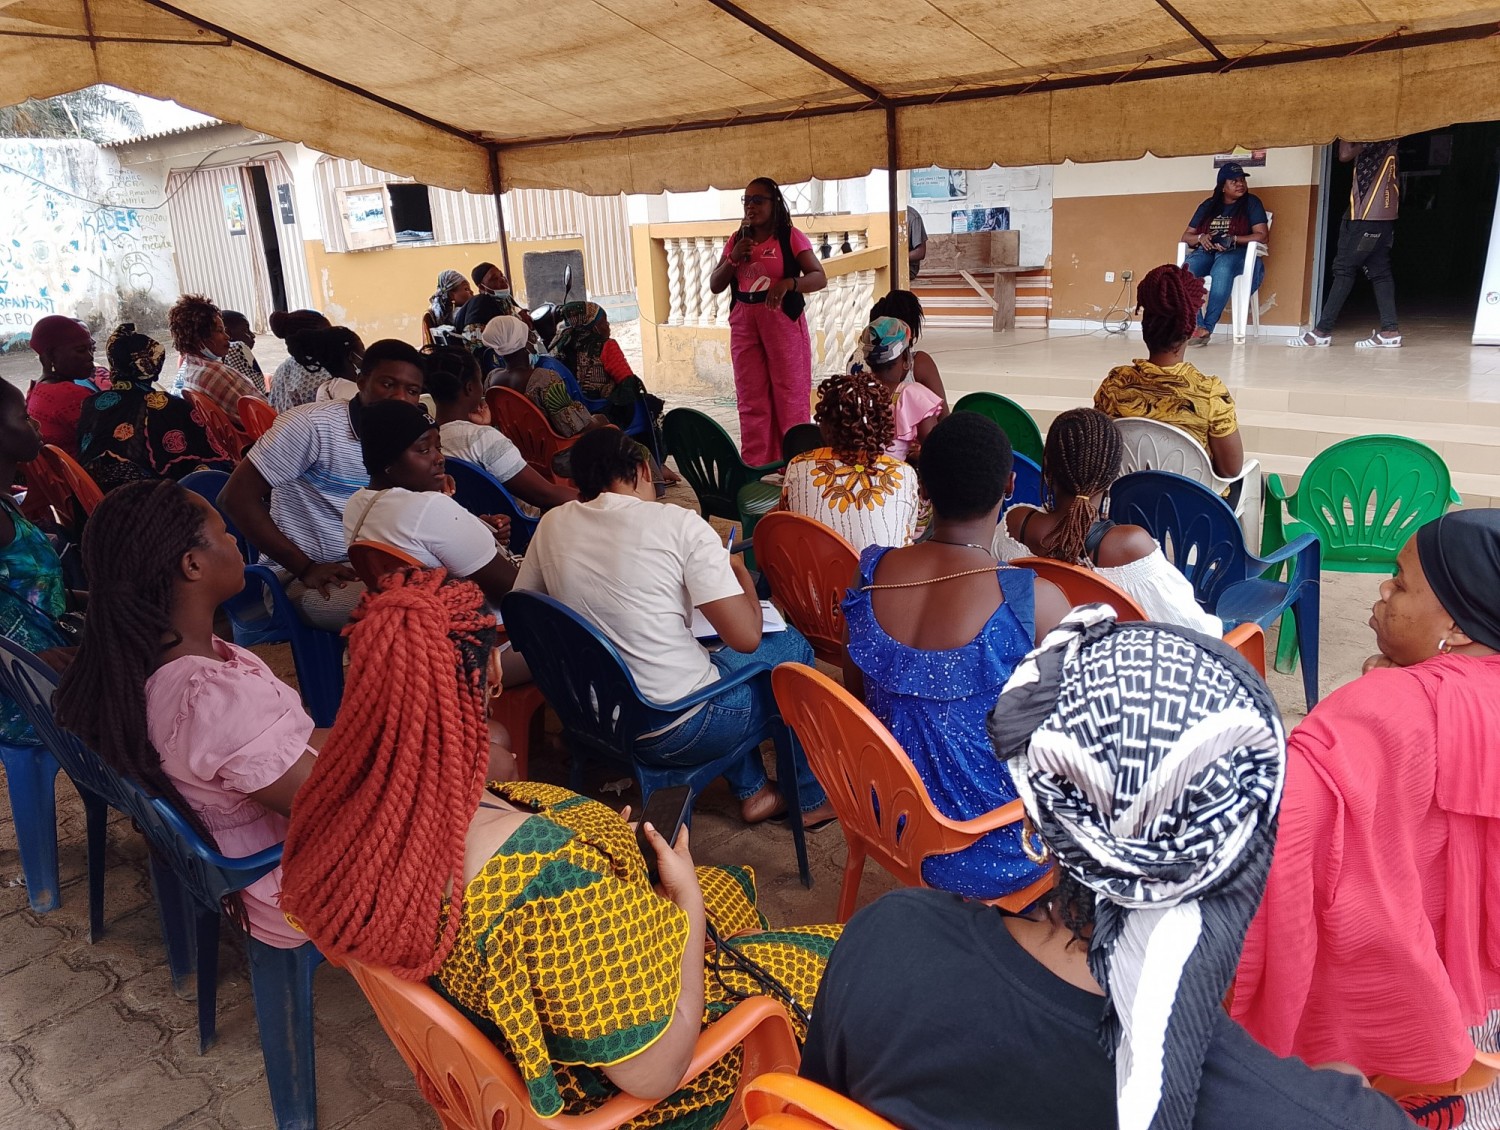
(84, 237)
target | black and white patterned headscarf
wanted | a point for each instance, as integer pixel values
(1150, 760)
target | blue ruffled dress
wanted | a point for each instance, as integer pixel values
(935, 704)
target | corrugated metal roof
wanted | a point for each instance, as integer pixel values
(162, 133)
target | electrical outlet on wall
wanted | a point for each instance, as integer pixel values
(1127, 275)
(1109, 276)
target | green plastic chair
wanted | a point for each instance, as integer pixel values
(1015, 421)
(711, 464)
(1363, 498)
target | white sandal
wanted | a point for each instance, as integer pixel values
(1380, 339)
(1311, 340)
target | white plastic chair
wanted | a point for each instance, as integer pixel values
(1241, 307)
(1151, 445)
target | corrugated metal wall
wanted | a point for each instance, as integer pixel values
(461, 217)
(231, 269)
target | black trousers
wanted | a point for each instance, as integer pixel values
(1364, 245)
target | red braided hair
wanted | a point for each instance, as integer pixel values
(1169, 298)
(377, 833)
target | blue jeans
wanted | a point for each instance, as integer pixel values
(734, 717)
(1223, 267)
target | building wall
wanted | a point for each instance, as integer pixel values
(1129, 215)
(383, 293)
(81, 236)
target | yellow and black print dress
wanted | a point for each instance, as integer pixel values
(570, 962)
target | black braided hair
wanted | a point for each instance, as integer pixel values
(856, 416)
(902, 304)
(1081, 458)
(131, 550)
(449, 369)
(1169, 298)
(781, 215)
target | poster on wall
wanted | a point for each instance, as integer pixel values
(234, 208)
(981, 219)
(1249, 158)
(938, 184)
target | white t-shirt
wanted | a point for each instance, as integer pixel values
(635, 570)
(337, 388)
(311, 459)
(481, 444)
(426, 524)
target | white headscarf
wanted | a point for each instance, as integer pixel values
(506, 334)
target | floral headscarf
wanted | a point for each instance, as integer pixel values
(884, 340)
(440, 304)
(135, 360)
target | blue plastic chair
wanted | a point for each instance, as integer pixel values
(29, 682)
(1200, 535)
(190, 880)
(640, 423)
(1028, 481)
(31, 781)
(317, 654)
(604, 715)
(479, 492)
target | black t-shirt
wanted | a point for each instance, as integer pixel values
(933, 1016)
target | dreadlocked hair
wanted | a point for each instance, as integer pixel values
(131, 549)
(856, 416)
(1081, 458)
(376, 844)
(1169, 299)
(781, 215)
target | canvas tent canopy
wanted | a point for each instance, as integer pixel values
(607, 96)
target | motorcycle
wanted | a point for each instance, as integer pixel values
(544, 317)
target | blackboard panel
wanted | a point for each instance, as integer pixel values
(543, 272)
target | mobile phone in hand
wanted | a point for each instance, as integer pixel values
(667, 811)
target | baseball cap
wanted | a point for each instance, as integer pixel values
(1232, 171)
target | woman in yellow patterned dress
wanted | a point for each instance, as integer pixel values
(851, 485)
(527, 905)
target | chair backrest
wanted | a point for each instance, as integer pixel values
(781, 1100)
(256, 415)
(1084, 586)
(30, 683)
(216, 422)
(1028, 487)
(1195, 527)
(871, 783)
(479, 492)
(525, 425)
(799, 439)
(1364, 497)
(210, 484)
(708, 460)
(1014, 421)
(581, 674)
(1151, 445)
(809, 567)
(373, 560)
(61, 486)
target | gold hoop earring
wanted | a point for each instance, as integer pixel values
(1028, 833)
(1444, 647)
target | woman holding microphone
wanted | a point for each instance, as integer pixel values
(770, 265)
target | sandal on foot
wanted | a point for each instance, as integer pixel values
(1311, 340)
(1380, 339)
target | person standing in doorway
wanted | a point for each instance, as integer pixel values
(770, 265)
(1366, 236)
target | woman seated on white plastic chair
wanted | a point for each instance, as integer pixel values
(1080, 462)
(1165, 387)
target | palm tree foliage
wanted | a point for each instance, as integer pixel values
(90, 113)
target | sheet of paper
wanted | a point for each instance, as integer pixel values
(770, 621)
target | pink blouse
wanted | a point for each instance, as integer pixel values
(914, 403)
(225, 729)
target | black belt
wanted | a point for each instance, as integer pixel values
(756, 298)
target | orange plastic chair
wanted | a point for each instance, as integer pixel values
(882, 805)
(809, 567)
(59, 490)
(525, 425)
(518, 709)
(216, 422)
(1084, 586)
(1481, 1073)
(1250, 641)
(472, 1086)
(780, 1101)
(257, 416)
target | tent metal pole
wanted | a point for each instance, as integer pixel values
(500, 212)
(892, 160)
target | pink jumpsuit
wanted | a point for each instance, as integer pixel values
(772, 357)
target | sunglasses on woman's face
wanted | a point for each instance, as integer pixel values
(755, 200)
